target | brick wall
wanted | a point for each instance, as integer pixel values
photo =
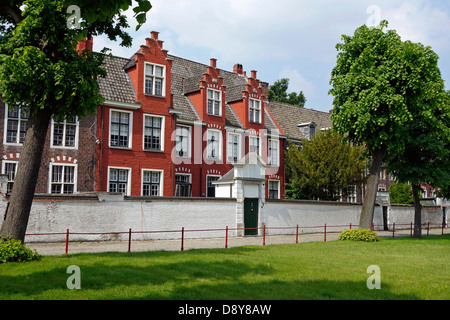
(83, 157)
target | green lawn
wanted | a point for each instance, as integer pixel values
(410, 269)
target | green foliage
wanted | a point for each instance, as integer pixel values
(365, 235)
(401, 193)
(322, 167)
(389, 95)
(12, 250)
(278, 92)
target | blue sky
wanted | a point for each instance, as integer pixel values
(292, 39)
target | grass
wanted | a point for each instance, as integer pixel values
(410, 269)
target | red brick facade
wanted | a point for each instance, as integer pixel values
(169, 127)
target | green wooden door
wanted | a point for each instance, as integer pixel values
(250, 216)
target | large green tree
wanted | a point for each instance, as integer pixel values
(42, 73)
(426, 158)
(323, 167)
(381, 86)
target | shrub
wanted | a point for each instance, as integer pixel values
(12, 250)
(359, 235)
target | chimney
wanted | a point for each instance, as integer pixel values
(87, 43)
(253, 73)
(213, 62)
(154, 35)
(238, 68)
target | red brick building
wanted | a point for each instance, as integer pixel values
(169, 127)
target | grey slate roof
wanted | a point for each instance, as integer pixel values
(186, 75)
(288, 117)
(116, 86)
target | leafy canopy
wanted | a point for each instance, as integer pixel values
(40, 66)
(380, 85)
(323, 167)
(278, 92)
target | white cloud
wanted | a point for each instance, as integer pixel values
(285, 38)
(421, 22)
(297, 82)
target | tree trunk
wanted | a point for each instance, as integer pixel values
(370, 196)
(417, 211)
(16, 218)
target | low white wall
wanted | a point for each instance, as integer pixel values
(309, 214)
(112, 217)
(115, 218)
(402, 216)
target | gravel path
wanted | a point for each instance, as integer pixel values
(58, 248)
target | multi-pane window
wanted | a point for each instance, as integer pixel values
(16, 125)
(154, 79)
(120, 129)
(233, 150)
(183, 141)
(213, 146)
(351, 194)
(254, 144)
(210, 187)
(65, 133)
(274, 154)
(10, 169)
(153, 127)
(214, 102)
(62, 179)
(274, 187)
(118, 180)
(151, 183)
(183, 185)
(254, 110)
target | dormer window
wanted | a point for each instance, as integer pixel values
(154, 79)
(214, 102)
(308, 129)
(254, 107)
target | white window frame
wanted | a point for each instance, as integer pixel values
(189, 141)
(77, 126)
(254, 105)
(128, 192)
(153, 76)
(351, 194)
(130, 128)
(254, 138)
(4, 163)
(5, 131)
(230, 157)
(209, 144)
(75, 176)
(190, 182)
(268, 188)
(162, 136)
(161, 181)
(213, 176)
(213, 102)
(273, 159)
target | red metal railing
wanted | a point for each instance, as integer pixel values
(264, 229)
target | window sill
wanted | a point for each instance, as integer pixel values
(154, 95)
(214, 115)
(120, 148)
(153, 150)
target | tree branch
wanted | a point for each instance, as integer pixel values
(11, 11)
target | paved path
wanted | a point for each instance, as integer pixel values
(58, 248)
